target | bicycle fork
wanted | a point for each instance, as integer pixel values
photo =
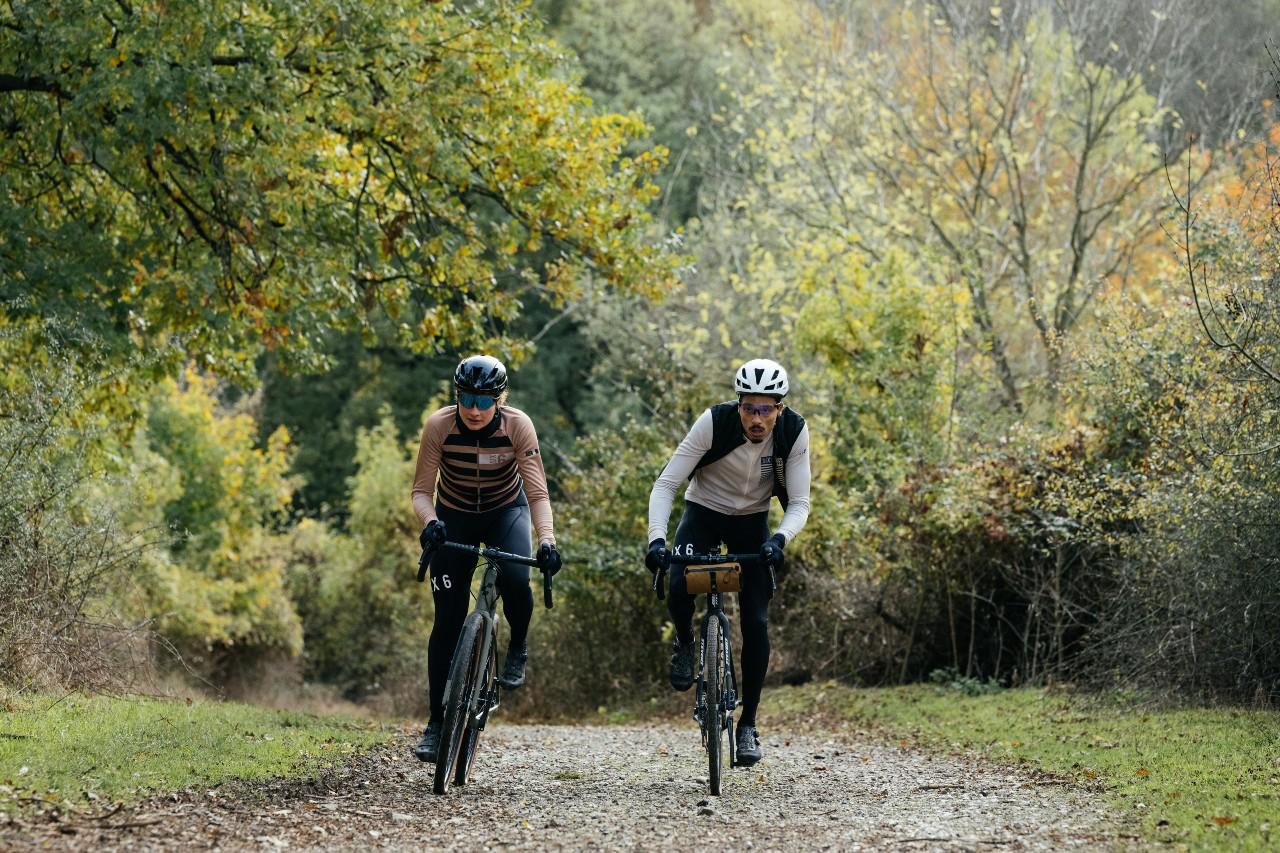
(487, 699)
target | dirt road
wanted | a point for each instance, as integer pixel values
(615, 788)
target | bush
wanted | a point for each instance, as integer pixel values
(62, 543)
(607, 639)
(366, 619)
(217, 592)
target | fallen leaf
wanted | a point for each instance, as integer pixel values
(1224, 820)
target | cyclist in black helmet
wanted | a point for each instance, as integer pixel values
(479, 478)
(736, 457)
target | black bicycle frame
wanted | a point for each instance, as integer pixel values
(730, 697)
(487, 603)
(714, 609)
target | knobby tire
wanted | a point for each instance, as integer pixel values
(486, 684)
(463, 675)
(712, 720)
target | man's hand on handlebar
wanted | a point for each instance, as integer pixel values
(771, 557)
(658, 557)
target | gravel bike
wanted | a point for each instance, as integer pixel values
(716, 696)
(472, 690)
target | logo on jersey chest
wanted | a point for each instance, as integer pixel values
(495, 458)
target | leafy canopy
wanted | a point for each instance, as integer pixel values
(233, 175)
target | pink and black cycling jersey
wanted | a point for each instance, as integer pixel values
(482, 470)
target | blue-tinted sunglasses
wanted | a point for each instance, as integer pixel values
(763, 410)
(483, 402)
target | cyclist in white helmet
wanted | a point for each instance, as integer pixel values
(736, 457)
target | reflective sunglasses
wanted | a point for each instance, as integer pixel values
(483, 402)
(763, 410)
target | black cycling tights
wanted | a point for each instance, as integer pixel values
(506, 529)
(705, 529)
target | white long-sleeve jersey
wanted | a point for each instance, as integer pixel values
(740, 483)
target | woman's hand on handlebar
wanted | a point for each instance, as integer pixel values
(549, 560)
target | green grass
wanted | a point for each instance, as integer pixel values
(1201, 778)
(78, 747)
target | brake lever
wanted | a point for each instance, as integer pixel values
(423, 563)
(659, 583)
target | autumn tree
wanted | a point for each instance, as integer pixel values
(1026, 172)
(227, 176)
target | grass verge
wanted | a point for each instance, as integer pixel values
(1207, 778)
(79, 749)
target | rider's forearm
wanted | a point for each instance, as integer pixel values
(424, 476)
(793, 520)
(540, 515)
(798, 482)
(661, 500)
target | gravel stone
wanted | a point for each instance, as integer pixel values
(614, 788)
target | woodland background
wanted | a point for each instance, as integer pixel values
(1021, 261)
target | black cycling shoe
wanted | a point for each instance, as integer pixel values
(682, 664)
(748, 746)
(513, 668)
(430, 744)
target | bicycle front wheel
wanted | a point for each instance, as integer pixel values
(487, 685)
(464, 672)
(713, 719)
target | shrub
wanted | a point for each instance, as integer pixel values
(62, 543)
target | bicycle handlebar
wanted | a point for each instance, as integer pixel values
(659, 577)
(424, 563)
(712, 559)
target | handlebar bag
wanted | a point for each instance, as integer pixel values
(721, 577)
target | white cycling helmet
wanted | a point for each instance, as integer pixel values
(761, 376)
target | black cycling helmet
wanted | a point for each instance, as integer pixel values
(481, 374)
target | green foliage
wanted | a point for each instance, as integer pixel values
(660, 60)
(366, 619)
(234, 176)
(140, 746)
(1016, 172)
(951, 679)
(62, 542)
(218, 591)
(324, 413)
(606, 638)
(888, 341)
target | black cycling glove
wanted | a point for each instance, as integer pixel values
(658, 557)
(771, 550)
(548, 558)
(433, 535)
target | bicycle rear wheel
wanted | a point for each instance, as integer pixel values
(487, 684)
(713, 719)
(463, 675)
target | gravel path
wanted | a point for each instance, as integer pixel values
(615, 788)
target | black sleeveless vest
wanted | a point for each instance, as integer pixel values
(727, 436)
